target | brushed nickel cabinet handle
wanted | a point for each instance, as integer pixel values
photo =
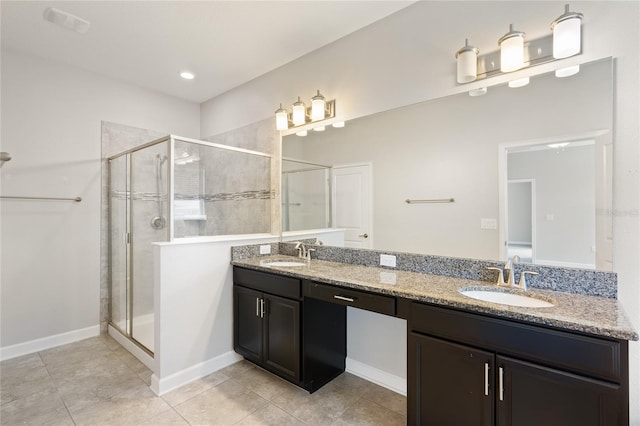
(501, 383)
(486, 379)
(345, 298)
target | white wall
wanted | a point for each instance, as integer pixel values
(194, 308)
(409, 57)
(51, 125)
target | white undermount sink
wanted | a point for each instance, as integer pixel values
(506, 298)
(284, 263)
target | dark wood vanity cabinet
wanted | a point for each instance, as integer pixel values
(270, 321)
(471, 369)
(267, 331)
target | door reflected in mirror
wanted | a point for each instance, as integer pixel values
(454, 147)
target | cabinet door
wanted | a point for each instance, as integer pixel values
(536, 395)
(449, 384)
(247, 328)
(282, 336)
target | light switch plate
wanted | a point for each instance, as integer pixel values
(488, 223)
(265, 249)
(388, 260)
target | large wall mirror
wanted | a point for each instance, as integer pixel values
(522, 171)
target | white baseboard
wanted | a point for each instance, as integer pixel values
(195, 372)
(141, 355)
(390, 381)
(48, 342)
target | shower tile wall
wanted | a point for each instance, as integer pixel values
(263, 137)
(115, 138)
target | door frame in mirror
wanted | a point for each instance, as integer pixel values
(604, 191)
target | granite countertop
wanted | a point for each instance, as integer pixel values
(595, 315)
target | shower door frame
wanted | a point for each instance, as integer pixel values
(130, 230)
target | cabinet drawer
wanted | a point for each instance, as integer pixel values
(572, 352)
(269, 283)
(349, 297)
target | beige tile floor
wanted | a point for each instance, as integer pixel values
(97, 382)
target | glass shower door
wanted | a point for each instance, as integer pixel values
(149, 224)
(119, 241)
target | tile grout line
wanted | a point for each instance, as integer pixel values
(55, 384)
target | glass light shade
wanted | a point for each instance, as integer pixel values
(521, 82)
(338, 125)
(282, 119)
(302, 133)
(511, 51)
(318, 107)
(567, 34)
(467, 63)
(319, 129)
(478, 92)
(568, 71)
(298, 115)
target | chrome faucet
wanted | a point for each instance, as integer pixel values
(304, 252)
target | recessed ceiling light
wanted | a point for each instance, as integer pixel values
(66, 20)
(187, 75)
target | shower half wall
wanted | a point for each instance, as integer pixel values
(170, 189)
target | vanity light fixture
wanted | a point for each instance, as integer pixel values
(568, 71)
(300, 115)
(511, 50)
(567, 35)
(515, 53)
(467, 63)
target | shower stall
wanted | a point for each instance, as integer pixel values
(169, 189)
(306, 195)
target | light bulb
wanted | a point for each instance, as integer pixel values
(317, 107)
(567, 35)
(511, 50)
(467, 63)
(298, 115)
(282, 119)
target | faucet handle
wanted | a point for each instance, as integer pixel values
(523, 282)
(500, 280)
(309, 250)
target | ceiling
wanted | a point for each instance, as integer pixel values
(148, 43)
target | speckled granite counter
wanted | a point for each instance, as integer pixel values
(588, 314)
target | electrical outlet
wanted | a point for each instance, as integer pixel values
(388, 260)
(265, 249)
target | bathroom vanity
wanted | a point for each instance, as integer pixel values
(469, 362)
